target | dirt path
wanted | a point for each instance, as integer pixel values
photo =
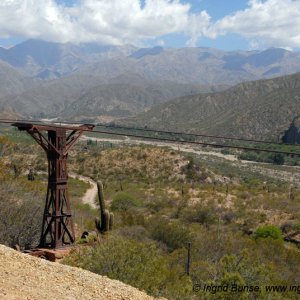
(90, 195)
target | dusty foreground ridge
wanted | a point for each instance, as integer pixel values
(26, 277)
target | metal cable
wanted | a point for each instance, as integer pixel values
(154, 131)
(158, 138)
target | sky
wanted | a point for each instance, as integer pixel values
(222, 24)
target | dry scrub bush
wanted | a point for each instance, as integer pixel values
(20, 211)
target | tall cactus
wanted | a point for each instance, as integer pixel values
(106, 220)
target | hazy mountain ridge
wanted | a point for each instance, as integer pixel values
(13, 82)
(88, 96)
(51, 97)
(83, 74)
(47, 60)
(260, 109)
(123, 99)
(200, 65)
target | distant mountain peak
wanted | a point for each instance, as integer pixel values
(146, 52)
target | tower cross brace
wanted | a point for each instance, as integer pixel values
(57, 226)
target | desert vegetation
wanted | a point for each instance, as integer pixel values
(236, 221)
(239, 224)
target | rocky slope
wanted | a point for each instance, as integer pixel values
(12, 81)
(260, 109)
(79, 96)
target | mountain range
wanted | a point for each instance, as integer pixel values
(46, 60)
(80, 81)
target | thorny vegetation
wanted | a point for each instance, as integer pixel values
(236, 220)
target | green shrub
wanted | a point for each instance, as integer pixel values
(174, 235)
(140, 264)
(247, 155)
(205, 215)
(268, 231)
(123, 201)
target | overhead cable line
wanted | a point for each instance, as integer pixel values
(154, 131)
(197, 143)
(180, 141)
(7, 121)
(192, 134)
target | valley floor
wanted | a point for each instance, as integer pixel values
(287, 173)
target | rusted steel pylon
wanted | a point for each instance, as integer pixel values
(57, 227)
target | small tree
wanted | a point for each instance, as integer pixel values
(278, 159)
(123, 201)
(268, 231)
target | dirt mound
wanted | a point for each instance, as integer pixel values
(26, 277)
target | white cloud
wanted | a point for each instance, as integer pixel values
(197, 26)
(269, 23)
(160, 43)
(264, 22)
(106, 21)
(34, 19)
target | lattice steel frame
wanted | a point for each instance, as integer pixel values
(57, 227)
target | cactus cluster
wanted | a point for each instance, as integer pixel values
(106, 220)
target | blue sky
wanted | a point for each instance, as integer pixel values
(226, 25)
(217, 9)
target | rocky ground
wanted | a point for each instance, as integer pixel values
(26, 277)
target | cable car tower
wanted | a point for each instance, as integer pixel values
(57, 141)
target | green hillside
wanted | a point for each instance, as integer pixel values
(260, 109)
